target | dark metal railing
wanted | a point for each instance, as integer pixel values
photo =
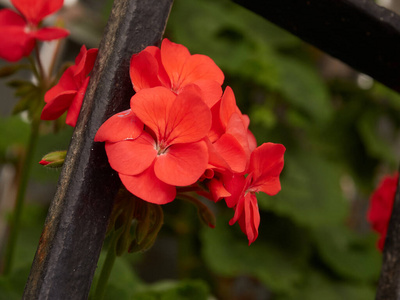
(76, 223)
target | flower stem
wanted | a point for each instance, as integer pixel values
(42, 74)
(106, 268)
(16, 217)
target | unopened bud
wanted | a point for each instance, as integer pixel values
(147, 240)
(54, 159)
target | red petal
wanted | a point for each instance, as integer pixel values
(121, 126)
(148, 187)
(152, 106)
(132, 157)
(235, 184)
(76, 105)
(182, 164)
(36, 10)
(232, 152)
(250, 220)
(9, 18)
(215, 159)
(239, 208)
(65, 84)
(217, 189)
(174, 57)
(56, 106)
(143, 71)
(266, 163)
(251, 140)
(189, 119)
(200, 67)
(228, 106)
(211, 91)
(50, 33)
(236, 128)
(84, 62)
(15, 42)
(44, 162)
(216, 127)
(162, 74)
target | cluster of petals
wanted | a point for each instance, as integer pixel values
(68, 93)
(181, 130)
(19, 31)
(381, 205)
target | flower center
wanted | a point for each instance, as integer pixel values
(29, 28)
(162, 148)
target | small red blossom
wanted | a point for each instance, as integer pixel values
(68, 93)
(381, 205)
(19, 32)
(175, 68)
(266, 164)
(169, 152)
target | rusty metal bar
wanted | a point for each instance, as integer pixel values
(360, 33)
(74, 230)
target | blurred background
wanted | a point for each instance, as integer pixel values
(342, 134)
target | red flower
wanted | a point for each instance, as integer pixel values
(169, 152)
(68, 94)
(230, 140)
(381, 205)
(19, 32)
(266, 164)
(175, 68)
(179, 130)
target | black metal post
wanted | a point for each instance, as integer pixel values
(74, 230)
(358, 32)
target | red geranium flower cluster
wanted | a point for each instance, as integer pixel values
(381, 205)
(68, 93)
(19, 32)
(181, 131)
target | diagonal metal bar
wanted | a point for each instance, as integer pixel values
(358, 32)
(75, 226)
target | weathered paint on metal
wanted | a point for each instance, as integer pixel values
(75, 227)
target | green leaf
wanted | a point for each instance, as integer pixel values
(9, 70)
(378, 139)
(318, 286)
(311, 193)
(123, 282)
(14, 132)
(174, 290)
(12, 286)
(17, 83)
(304, 88)
(229, 256)
(350, 255)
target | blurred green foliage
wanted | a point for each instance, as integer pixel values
(314, 242)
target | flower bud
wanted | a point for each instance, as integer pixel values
(54, 159)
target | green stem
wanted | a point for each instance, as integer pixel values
(106, 268)
(34, 69)
(42, 74)
(16, 217)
